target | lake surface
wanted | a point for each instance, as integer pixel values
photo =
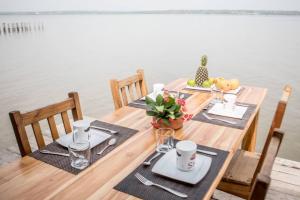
(82, 52)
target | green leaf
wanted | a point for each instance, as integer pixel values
(172, 116)
(151, 113)
(160, 108)
(177, 108)
(159, 99)
(149, 101)
(179, 114)
(166, 122)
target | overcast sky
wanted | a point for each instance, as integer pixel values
(125, 5)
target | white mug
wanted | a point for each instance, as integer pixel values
(186, 155)
(158, 89)
(230, 101)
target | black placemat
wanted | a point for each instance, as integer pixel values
(64, 162)
(132, 186)
(142, 104)
(240, 123)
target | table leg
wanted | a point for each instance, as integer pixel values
(249, 141)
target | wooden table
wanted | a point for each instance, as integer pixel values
(28, 178)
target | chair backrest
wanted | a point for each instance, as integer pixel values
(21, 120)
(276, 123)
(262, 180)
(121, 88)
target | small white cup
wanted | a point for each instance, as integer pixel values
(158, 89)
(230, 101)
(186, 155)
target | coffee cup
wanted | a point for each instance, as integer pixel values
(186, 155)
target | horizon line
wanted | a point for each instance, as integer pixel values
(206, 11)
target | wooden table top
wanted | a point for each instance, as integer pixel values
(28, 178)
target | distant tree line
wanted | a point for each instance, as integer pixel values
(20, 27)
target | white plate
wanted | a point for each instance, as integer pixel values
(236, 91)
(219, 109)
(166, 166)
(96, 138)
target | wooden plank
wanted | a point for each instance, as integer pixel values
(76, 111)
(38, 135)
(66, 122)
(249, 142)
(128, 81)
(131, 95)
(20, 132)
(124, 96)
(114, 87)
(138, 90)
(143, 82)
(53, 128)
(45, 112)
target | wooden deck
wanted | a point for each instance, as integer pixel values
(285, 175)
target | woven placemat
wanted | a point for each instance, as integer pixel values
(64, 162)
(142, 104)
(132, 186)
(240, 123)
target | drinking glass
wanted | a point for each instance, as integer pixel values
(80, 154)
(164, 139)
(79, 131)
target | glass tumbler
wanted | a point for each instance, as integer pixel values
(80, 154)
(164, 139)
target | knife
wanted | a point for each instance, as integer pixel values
(207, 152)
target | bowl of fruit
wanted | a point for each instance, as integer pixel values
(203, 82)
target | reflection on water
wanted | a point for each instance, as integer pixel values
(7, 28)
(82, 52)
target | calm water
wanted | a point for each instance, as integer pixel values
(82, 53)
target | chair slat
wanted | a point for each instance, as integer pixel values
(53, 128)
(130, 89)
(66, 122)
(38, 135)
(138, 90)
(124, 96)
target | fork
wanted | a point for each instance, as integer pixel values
(223, 120)
(150, 183)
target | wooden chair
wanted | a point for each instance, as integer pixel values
(245, 166)
(21, 120)
(120, 88)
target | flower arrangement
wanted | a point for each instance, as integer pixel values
(167, 111)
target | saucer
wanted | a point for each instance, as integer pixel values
(166, 166)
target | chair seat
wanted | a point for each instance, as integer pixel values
(242, 168)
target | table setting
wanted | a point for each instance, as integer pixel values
(175, 170)
(226, 112)
(88, 142)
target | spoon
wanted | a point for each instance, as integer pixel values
(147, 163)
(111, 142)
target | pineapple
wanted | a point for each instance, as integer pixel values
(202, 73)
